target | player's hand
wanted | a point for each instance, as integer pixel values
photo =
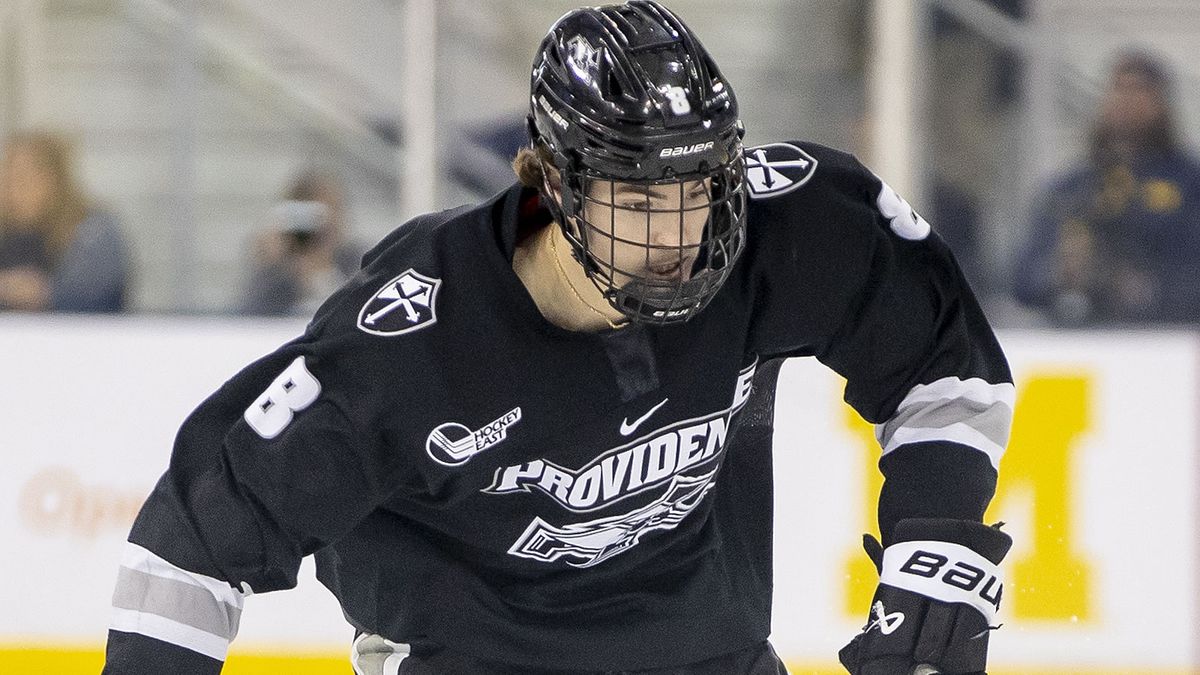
(939, 590)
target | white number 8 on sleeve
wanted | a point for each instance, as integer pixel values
(906, 222)
(294, 390)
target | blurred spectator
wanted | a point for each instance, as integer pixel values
(303, 257)
(57, 251)
(1118, 239)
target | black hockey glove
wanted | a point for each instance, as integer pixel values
(939, 590)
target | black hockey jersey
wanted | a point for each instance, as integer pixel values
(473, 477)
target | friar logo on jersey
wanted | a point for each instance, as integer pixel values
(593, 542)
(402, 305)
(777, 168)
(676, 461)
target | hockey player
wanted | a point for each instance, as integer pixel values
(533, 435)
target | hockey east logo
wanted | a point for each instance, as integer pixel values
(678, 460)
(452, 443)
(402, 305)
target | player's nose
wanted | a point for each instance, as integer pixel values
(676, 231)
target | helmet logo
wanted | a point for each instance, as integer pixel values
(582, 58)
(685, 150)
(554, 114)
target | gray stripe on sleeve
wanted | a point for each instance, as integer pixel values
(993, 420)
(176, 600)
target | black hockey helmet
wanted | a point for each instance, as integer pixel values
(625, 96)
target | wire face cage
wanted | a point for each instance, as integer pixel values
(659, 250)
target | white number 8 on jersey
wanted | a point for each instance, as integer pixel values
(906, 222)
(294, 390)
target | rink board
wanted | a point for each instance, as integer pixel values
(1098, 488)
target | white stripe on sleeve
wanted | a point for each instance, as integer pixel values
(969, 412)
(160, 600)
(143, 560)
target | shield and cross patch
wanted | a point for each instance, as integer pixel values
(777, 168)
(404, 304)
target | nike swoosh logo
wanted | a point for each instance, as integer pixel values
(627, 428)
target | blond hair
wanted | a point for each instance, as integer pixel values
(530, 166)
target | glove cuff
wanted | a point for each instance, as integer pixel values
(989, 542)
(944, 571)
